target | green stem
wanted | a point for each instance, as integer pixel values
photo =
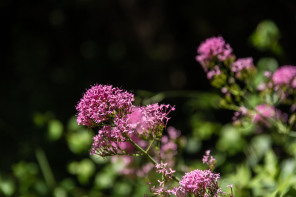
(137, 155)
(150, 146)
(147, 155)
(45, 167)
(142, 151)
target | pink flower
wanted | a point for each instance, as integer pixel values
(214, 72)
(198, 183)
(261, 86)
(284, 76)
(224, 90)
(267, 74)
(111, 110)
(211, 48)
(242, 65)
(173, 133)
(146, 119)
(263, 112)
(101, 103)
(243, 110)
(209, 160)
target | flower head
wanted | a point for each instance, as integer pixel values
(265, 112)
(211, 48)
(150, 119)
(285, 75)
(242, 66)
(111, 110)
(198, 183)
(101, 103)
(209, 160)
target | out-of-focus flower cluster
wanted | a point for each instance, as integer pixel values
(213, 50)
(284, 76)
(235, 76)
(282, 83)
(217, 59)
(280, 90)
(209, 160)
(111, 111)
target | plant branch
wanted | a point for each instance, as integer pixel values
(147, 155)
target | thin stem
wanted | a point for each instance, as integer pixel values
(137, 155)
(143, 151)
(150, 146)
(45, 167)
(147, 155)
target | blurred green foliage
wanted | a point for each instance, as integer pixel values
(266, 37)
(52, 51)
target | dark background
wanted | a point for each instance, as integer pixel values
(51, 51)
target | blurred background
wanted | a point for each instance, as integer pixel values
(52, 51)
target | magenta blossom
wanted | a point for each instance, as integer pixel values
(209, 160)
(242, 65)
(150, 119)
(285, 75)
(101, 103)
(211, 48)
(198, 183)
(265, 112)
(214, 72)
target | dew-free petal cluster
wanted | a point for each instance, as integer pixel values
(149, 118)
(265, 112)
(209, 159)
(198, 183)
(101, 103)
(214, 47)
(242, 65)
(285, 75)
(110, 109)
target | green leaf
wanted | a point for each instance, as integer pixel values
(55, 130)
(79, 141)
(7, 187)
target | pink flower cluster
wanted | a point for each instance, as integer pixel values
(264, 112)
(101, 103)
(285, 76)
(215, 71)
(238, 114)
(209, 160)
(198, 183)
(217, 59)
(161, 190)
(111, 110)
(211, 49)
(150, 117)
(242, 65)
